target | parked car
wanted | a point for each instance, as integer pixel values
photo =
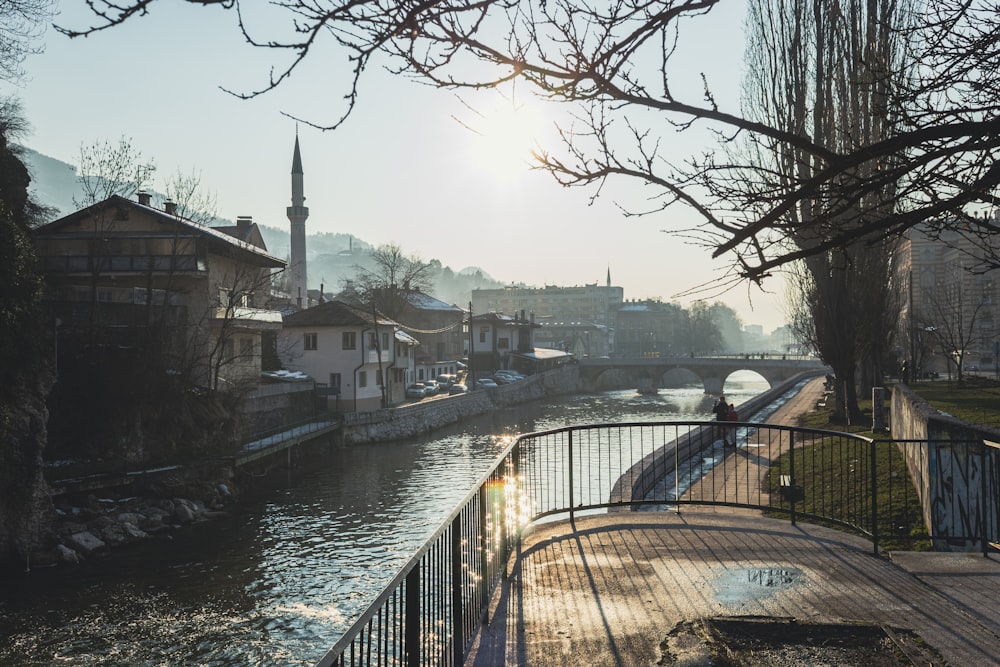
(432, 387)
(417, 390)
(458, 389)
(506, 376)
(447, 379)
(486, 383)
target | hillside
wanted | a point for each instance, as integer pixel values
(331, 258)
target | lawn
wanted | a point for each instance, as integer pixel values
(829, 474)
(976, 400)
(835, 475)
(836, 481)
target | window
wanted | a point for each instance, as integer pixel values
(246, 347)
(372, 341)
(335, 380)
(385, 342)
(363, 378)
(350, 340)
(309, 341)
(483, 332)
(503, 343)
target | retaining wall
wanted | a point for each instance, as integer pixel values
(954, 475)
(409, 420)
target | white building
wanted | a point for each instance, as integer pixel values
(347, 349)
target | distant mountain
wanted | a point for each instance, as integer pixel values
(53, 182)
(332, 258)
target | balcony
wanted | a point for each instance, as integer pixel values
(373, 357)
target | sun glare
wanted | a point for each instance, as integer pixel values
(503, 137)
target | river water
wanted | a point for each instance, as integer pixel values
(284, 575)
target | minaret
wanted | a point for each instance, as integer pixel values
(297, 214)
(609, 275)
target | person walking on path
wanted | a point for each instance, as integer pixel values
(721, 411)
(732, 416)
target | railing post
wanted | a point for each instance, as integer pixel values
(516, 458)
(411, 627)
(791, 473)
(457, 607)
(570, 469)
(677, 465)
(874, 484)
(484, 552)
(982, 497)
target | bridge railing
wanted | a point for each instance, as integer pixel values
(431, 610)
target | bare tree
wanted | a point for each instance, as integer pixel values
(826, 70)
(22, 23)
(393, 278)
(704, 334)
(613, 63)
(108, 169)
(949, 315)
(189, 199)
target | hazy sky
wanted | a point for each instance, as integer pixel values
(405, 169)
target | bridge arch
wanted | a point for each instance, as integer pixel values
(601, 374)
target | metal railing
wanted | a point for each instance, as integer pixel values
(430, 611)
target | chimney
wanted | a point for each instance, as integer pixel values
(145, 199)
(243, 222)
(170, 207)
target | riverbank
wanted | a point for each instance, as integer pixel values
(92, 526)
(301, 553)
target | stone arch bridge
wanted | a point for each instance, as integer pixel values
(598, 374)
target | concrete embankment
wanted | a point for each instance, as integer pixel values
(636, 482)
(415, 419)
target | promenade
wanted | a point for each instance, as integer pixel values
(631, 589)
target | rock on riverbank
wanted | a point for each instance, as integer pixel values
(96, 526)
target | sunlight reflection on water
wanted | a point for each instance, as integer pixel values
(279, 581)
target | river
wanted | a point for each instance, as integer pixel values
(285, 574)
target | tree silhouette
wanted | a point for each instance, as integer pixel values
(612, 63)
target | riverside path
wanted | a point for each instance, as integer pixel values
(613, 589)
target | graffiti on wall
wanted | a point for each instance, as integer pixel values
(963, 486)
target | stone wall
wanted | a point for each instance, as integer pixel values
(409, 420)
(273, 405)
(955, 475)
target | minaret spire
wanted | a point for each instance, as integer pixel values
(297, 214)
(609, 275)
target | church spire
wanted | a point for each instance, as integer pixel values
(609, 275)
(297, 214)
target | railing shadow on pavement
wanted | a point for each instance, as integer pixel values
(432, 608)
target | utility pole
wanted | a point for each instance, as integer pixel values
(472, 352)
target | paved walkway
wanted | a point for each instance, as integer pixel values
(608, 589)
